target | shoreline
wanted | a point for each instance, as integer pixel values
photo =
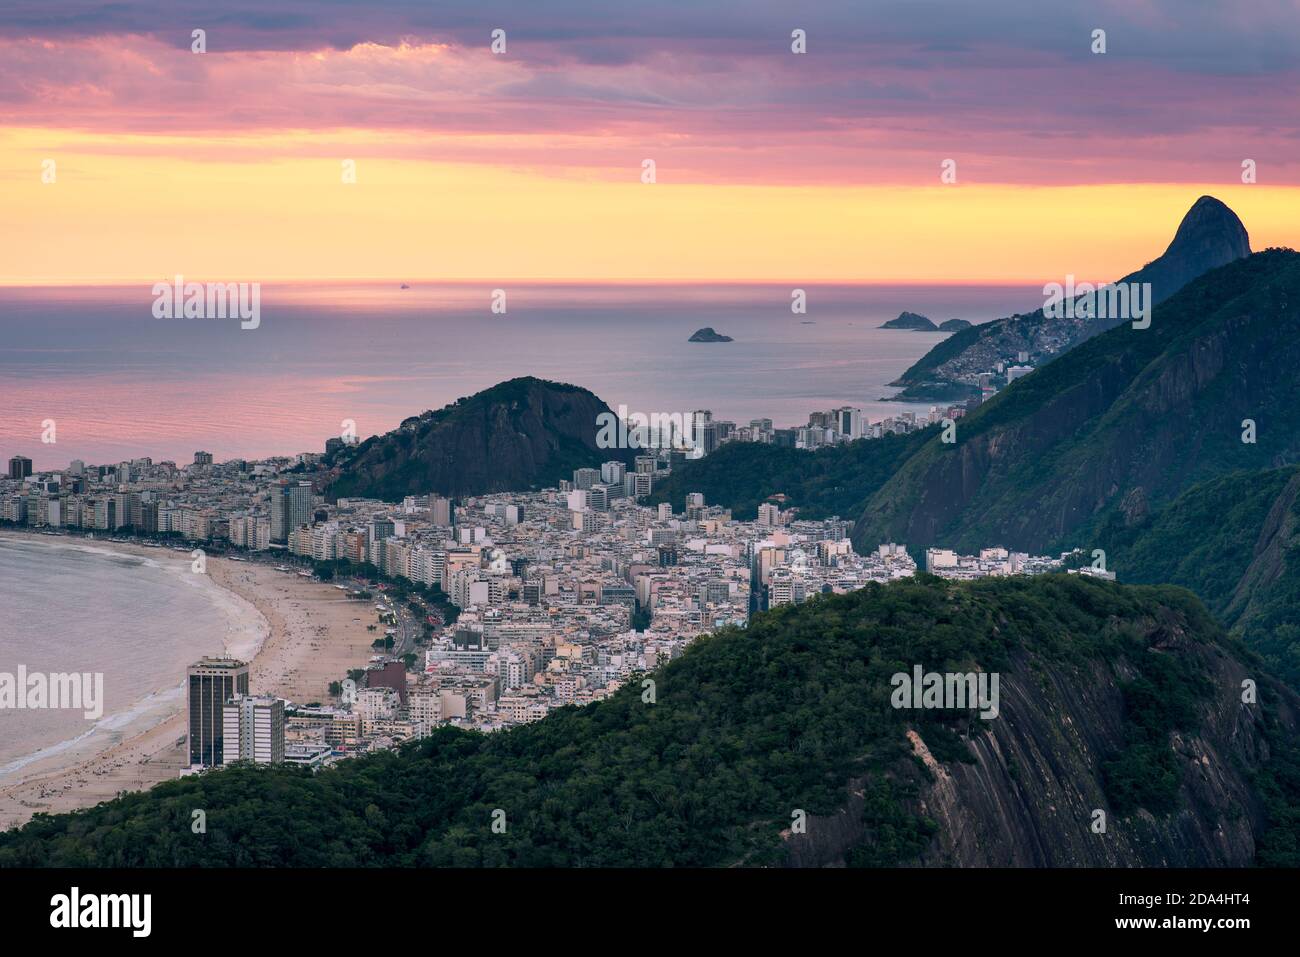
(308, 636)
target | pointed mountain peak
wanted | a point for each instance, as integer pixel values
(1209, 236)
(1212, 233)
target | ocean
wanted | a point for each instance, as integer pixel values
(82, 607)
(116, 383)
(92, 369)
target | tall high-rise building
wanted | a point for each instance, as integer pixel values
(127, 506)
(20, 467)
(253, 729)
(849, 422)
(290, 509)
(211, 682)
(202, 458)
(612, 473)
(440, 510)
(636, 484)
(713, 433)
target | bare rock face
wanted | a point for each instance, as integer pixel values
(1030, 792)
(1279, 537)
(1209, 236)
(1135, 507)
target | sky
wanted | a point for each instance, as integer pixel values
(126, 156)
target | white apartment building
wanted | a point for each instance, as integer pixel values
(253, 729)
(424, 707)
(374, 705)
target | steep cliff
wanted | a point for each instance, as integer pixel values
(1030, 789)
(1235, 542)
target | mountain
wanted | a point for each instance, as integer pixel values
(911, 320)
(521, 434)
(1116, 426)
(954, 325)
(831, 481)
(1121, 699)
(1235, 542)
(1209, 236)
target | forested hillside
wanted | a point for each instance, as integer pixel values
(1121, 698)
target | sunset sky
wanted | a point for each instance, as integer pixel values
(770, 165)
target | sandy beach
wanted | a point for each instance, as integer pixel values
(313, 635)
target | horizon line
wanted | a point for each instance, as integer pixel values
(659, 280)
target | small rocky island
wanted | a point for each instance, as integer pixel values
(913, 321)
(954, 325)
(708, 335)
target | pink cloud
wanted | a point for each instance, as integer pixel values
(874, 115)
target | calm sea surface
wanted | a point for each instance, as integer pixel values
(119, 383)
(73, 608)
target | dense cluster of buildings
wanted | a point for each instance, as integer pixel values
(1001, 359)
(550, 585)
(946, 563)
(563, 594)
(845, 424)
(257, 505)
